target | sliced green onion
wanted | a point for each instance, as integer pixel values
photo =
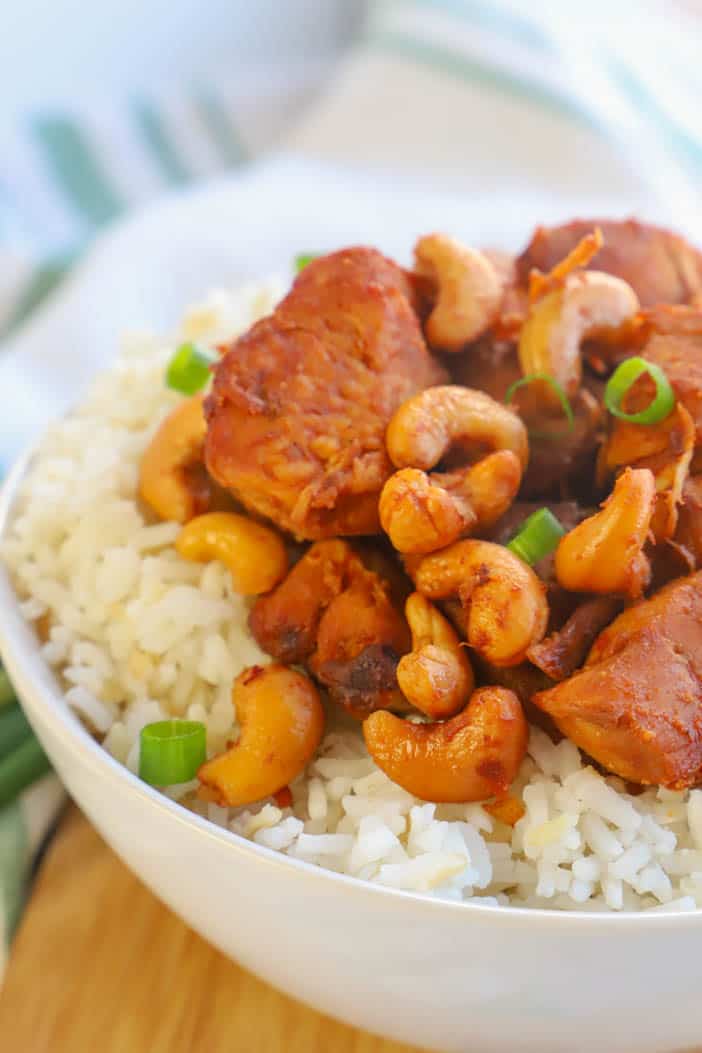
(171, 751)
(302, 260)
(624, 377)
(556, 387)
(538, 536)
(21, 768)
(189, 369)
(7, 691)
(14, 729)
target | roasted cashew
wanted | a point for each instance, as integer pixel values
(469, 291)
(559, 322)
(254, 553)
(605, 553)
(420, 513)
(436, 676)
(282, 721)
(468, 758)
(504, 600)
(418, 516)
(563, 651)
(176, 445)
(286, 622)
(426, 426)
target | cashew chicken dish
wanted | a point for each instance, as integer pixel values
(400, 570)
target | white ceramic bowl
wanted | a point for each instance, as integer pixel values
(442, 975)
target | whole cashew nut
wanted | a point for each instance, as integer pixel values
(282, 721)
(605, 553)
(176, 445)
(503, 599)
(426, 426)
(558, 323)
(436, 676)
(254, 553)
(418, 516)
(423, 513)
(468, 758)
(469, 291)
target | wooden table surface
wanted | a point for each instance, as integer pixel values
(100, 965)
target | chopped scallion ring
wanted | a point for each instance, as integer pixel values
(624, 377)
(556, 387)
(171, 751)
(302, 260)
(189, 369)
(539, 535)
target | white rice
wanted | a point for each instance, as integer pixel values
(137, 635)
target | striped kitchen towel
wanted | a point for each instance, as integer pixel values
(592, 99)
(476, 94)
(64, 175)
(510, 95)
(30, 800)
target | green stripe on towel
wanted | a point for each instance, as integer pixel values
(509, 24)
(14, 862)
(77, 169)
(457, 64)
(645, 101)
(220, 128)
(155, 133)
(42, 282)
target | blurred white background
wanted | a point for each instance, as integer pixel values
(57, 50)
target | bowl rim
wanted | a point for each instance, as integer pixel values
(38, 687)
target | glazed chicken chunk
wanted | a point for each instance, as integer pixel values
(661, 266)
(636, 706)
(300, 403)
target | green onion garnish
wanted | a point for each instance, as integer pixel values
(7, 691)
(171, 751)
(624, 377)
(538, 536)
(189, 369)
(21, 768)
(556, 387)
(302, 260)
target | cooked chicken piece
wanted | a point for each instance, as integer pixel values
(636, 707)
(688, 536)
(300, 403)
(285, 622)
(555, 450)
(675, 344)
(660, 266)
(561, 653)
(361, 638)
(343, 620)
